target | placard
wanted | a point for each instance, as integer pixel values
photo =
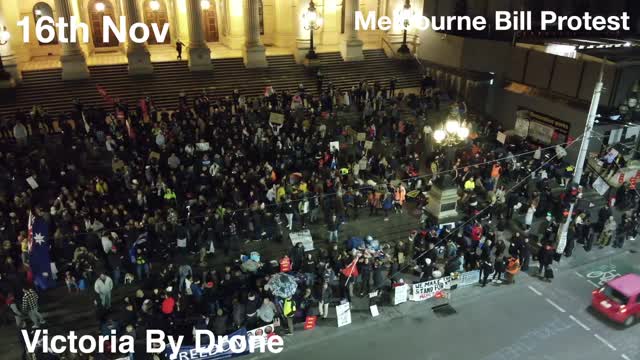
(303, 237)
(400, 294)
(502, 137)
(32, 182)
(276, 118)
(522, 127)
(361, 136)
(374, 310)
(467, 278)
(310, 322)
(428, 289)
(368, 145)
(343, 314)
(334, 146)
(600, 186)
(203, 146)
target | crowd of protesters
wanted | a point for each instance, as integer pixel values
(182, 187)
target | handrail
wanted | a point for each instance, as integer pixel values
(384, 41)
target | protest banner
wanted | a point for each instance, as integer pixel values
(400, 294)
(191, 353)
(428, 289)
(303, 237)
(343, 313)
(310, 322)
(263, 332)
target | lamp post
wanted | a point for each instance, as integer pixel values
(312, 22)
(443, 196)
(405, 14)
(4, 40)
(154, 5)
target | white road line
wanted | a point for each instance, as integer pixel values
(605, 342)
(556, 306)
(535, 291)
(579, 323)
(579, 275)
(625, 357)
(592, 283)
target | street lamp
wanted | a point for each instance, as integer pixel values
(100, 6)
(405, 14)
(205, 4)
(4, 40)
(154, 5)
(453, 132)
(312, 22)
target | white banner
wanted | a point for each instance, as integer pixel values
(400, 294)
(428, 289)
(600, 185)
(344, 314)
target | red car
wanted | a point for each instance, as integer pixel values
(619, 299)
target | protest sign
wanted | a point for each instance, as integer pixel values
(374, 310)
(276, 118)
(310, 322)
(400, 294)
(502, 137)
(361, 136)
(334, 146)
(202, 146)
(428, 289)
(303, 237)
(343, 314)
(368, 145)
(32, 182)
(600, 185)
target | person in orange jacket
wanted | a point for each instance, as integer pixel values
(513, 267)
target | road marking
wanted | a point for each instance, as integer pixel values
(602, 340)
(535, 291)
(625, 357)
(579, 323)
(556, 306)
(592, 283)
(579, 275)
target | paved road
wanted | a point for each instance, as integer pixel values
(529, 320)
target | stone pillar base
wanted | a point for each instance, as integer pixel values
(200, 59)
(399, 55)
(311, 63)
(301, 50)
(351, 50)
(8, 83)
(74, 67)
(10, 64)
(255, 56)
(443, 202)
(139, 62)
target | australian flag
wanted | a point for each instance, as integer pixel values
(39, 258)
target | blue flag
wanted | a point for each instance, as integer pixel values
(40, 260)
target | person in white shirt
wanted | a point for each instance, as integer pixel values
(103, 287)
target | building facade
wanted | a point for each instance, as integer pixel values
(247, 27)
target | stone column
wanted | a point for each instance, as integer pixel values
(138, 55)
(302, 35)
(74, 63)
(9, 59)
(351, 46)
(199, 52)
(254, 52)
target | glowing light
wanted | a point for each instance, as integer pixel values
(38, 12)
(205, 4)
(100, 7)
(463, 132)
(154, 5)
(439, 135)
(452, 126)
(627, 44)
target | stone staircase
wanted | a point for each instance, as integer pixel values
(44, 87)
